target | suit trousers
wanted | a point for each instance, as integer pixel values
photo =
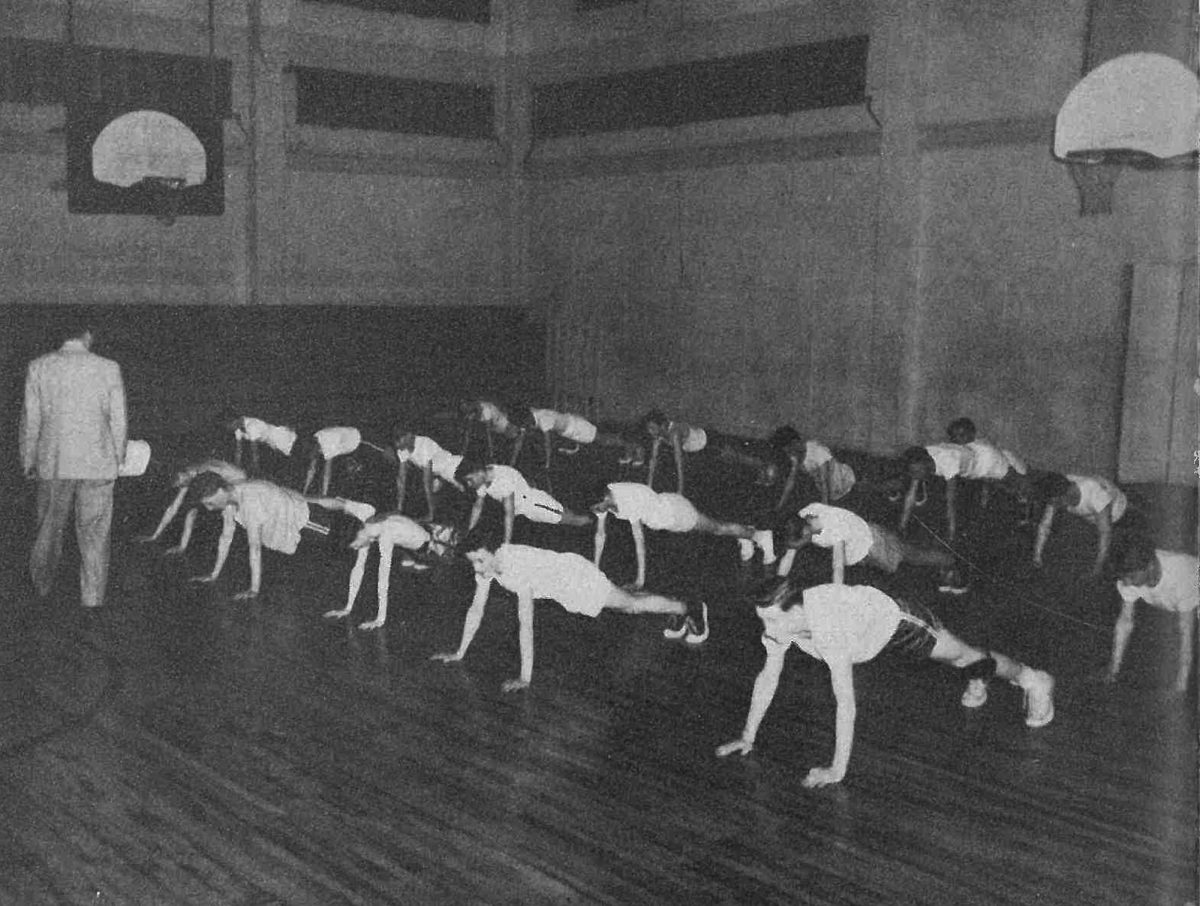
(92, 502)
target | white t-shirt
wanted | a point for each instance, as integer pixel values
(277, 437)
(950, 460)
(338, 441)
(493, 416)
(503, 482)
(427, 452)
(841, 476)
(692, 440)
(393, 529)
(1095, 493)
(571, 580)
(852, 622)
(658, 512)
(1178, 590)
(836, 524)
(989, 462)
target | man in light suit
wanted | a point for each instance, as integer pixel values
(73, 434)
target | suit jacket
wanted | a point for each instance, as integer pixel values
(73, 424)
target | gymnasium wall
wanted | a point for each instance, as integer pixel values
(311, 366)
(789, 270)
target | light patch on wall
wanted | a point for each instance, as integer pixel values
(148, 144)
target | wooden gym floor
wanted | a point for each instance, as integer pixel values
(180, 748)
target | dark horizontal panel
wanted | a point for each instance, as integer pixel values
(478, 11)
(778, 81)
(37, 72)
(585, 6)
(348, 100)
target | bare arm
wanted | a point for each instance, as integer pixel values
(223, 544)
(401, 486)
(31, 423)
(910, 501)
(655, 445)
(171, 511)
(789, 485)
(839, 563)
(760, 700)
(476, 511)
(427, 483)
(825, 485)
(1187, 621)
(189, 523)
(510, 515)
(601, 536)
(1043, 534)
(525, 635)
(356, 577)
(841, 676)
(639, 547)
(254, 544)
(677, 448)
(951, 508)
(1121, 633)
(1104, 539)
(117, 420)
(470, 623)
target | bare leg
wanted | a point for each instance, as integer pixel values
(927, 556)
(327, 478)
(310, 474)
(624, 601)
(710, 526)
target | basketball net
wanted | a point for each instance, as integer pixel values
(1095, 184)
(167, 194)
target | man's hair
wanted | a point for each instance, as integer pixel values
(654, 416)
(794, 529)
(205, 485)
(1132, 554)
(916, 456)
(74, 329)
(401, 430)
(784, 437)
(486, 537)
(1050, 485)
(965, 425)
(775, 591)
(465, 468)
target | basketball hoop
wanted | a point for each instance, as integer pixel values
(166, 192)
(1094, 180)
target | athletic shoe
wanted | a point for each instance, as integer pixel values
(745, 548)
(976, 694)
(697, 626)
(1039, 696)
(765, 540)
(677, 628)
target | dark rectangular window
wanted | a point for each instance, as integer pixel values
(778, 81)
(477, 11)
(348, 100)
(36, 73)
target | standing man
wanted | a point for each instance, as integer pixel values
(72, 442)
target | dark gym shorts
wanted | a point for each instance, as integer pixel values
(916, 633)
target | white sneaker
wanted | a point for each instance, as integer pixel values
(745, 548)
(765, 540)
(697, 629)
(976, 694)
(1039, 696)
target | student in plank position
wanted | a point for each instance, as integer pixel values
(496, 423)
(508, 486)
(949, 462)
(329, 444)
(833, 479)
(853, 540)
(254, 431)
(183, 482)
(1091, 498)
(389, 531)
(1165, 579)
(844, 625)
(272, 516)
(437, 465)
(532, 573)
(684, 438)
(577, 430)
(641, 506)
